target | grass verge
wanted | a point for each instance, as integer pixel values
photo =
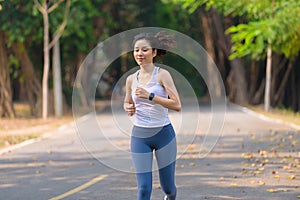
(8, 140)
(285, 115)
(25, 127)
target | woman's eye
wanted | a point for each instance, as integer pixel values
(144, 50)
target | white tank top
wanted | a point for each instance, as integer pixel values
(148, 113)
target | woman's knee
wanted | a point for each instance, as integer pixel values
(145, 190)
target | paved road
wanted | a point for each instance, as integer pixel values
(253, 159)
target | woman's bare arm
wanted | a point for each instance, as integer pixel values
(128, 105)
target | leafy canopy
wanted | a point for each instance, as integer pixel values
(269, 22)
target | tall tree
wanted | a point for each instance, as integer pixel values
(31, 83)
(57, 84)
(272, 26)
(46, 8)
(6, 104)
(17, 22)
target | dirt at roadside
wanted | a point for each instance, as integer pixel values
(13, 131)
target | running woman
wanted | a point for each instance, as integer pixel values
(150, 93)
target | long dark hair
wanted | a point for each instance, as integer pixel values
(160, 41)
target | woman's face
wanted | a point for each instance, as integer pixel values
(143, 53)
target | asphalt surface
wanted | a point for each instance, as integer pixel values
(254, 158)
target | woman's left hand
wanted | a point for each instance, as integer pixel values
(142, 93)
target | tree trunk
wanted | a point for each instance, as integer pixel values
(268, 79)
(79, 85)
(46, 62)
(298, 96)
(57, 87)
(31, 84)
(279, 62)
(238, 88)
(258, 97)
(220, 43)
(213, 83)
(6, 103)
(294, 88)
(253, 80)
(283, 83)
(239, 80)
(45, 8)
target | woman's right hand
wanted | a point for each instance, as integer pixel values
(129, 108)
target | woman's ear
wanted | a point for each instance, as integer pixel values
(154, 52)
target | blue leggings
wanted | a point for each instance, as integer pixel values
(163, 141)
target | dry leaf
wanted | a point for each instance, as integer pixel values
(244, 171)
(286, 167)
(292, 177)
(261, 169)
(263, 153)
(276, 176)
(257, 172)
(247, 155)
(261, 182)
(295, 142)
(272, 190)
(191, 147)
(252, 136)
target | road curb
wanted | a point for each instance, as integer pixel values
(265, 118)
(20, 145)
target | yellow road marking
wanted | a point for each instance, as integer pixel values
(79, 188)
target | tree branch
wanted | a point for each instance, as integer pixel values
(54, 6)
(62, 26)
(39, 6)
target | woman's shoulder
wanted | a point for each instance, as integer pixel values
(164, 76)
(163, 72)
(130, 77)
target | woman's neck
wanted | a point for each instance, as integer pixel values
(147, 69)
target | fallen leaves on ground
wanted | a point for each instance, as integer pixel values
(275, 154)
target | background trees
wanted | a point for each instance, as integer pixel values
(237, 35)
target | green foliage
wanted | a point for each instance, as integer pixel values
(251, 38)
(17, 21)
(280, 29)
(270, 22)
(79, 32)
(88, 23)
